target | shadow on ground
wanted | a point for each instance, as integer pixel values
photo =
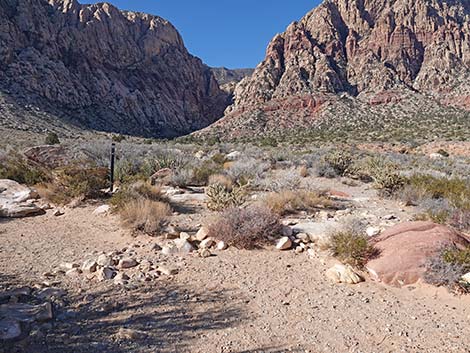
(161, 318)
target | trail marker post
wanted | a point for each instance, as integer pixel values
(111, 167)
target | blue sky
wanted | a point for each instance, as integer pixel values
(226, 33)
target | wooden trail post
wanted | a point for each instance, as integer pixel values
(111, 167)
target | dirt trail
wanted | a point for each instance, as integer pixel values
(235, 301)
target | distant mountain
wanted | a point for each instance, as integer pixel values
(362, 69)
(93, 66)
(224, 75)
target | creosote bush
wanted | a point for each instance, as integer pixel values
(75, 182)
(144, 215)
(351, 246)
(288, 201)
(15, 167)
(246, 228)
(52, 139)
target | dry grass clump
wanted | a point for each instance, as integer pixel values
(221, 179)
(145, 215)
(288, 201)
(246, 228)
(136, 191)
(351, 246)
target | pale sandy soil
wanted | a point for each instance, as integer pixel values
(235, 301)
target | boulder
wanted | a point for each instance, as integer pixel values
(202, 234)
(343, 274)
(284, 244)
(405, 249)
(127, 263)
(15, 200)
(466, 278)
(221, 245)
(207, 243)
(102, 210)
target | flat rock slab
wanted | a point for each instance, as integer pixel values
(26, 312)
(405, 250)
(316, 230)
(15, 200)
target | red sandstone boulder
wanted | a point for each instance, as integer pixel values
(406, 248)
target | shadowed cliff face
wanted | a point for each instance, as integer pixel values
(105, 69)
(372, 51)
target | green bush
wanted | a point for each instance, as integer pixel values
(15, 167)
(136, 191)
(52, 139)
(351, 246)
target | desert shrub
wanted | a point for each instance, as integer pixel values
(136, 191)
(126, 170)
(52, 139)
(220, 197)
(382, 172)
(15, 167)
(447, 268)
(455, 190)
(118, 138)
(287, 201)
(247, 169)
(219, 158)
(145, 215)
(351, 245)
(246, 228)
(222, 180)
(203, 171)
(279, 181)
(182, 177)
(75, 182)
(164, 159)
(460, 219)
(335, 163)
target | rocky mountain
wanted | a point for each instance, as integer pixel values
(229, 78)
(362, 65)
(97, 67)
(224, 75)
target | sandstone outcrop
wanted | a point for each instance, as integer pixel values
(406, 249)
(358, 58)
(96, 67)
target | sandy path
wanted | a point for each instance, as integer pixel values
(237, 301)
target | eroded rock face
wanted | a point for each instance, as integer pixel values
(373, 51)
(104, 69)
(405, 250)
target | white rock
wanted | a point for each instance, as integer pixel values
(199, 154)
(127, 262)
(232, 156)
(221, 245)
(102, 210)
(68, 266)
(284, 244)
(303, 237)
(184, 236)
(58, 213)
(202, 234)
(466, 278)
(121, 279)
(343, 274)
(170, 249)
(204, 253)
(167, 271)
(105, 260)
(89, 266)
(184, 246)
(436, 156)
(299, 250)
(373, 231)
(73, 272)
(207, 243)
